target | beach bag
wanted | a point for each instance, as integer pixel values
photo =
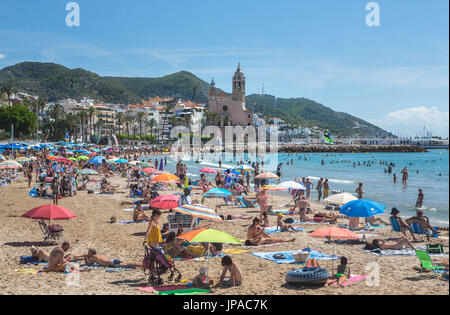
(289, 220)
(197, 250)
(90, 191)
(435, 249)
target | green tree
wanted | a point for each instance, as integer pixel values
(92, 113)
(8, 89)
(21, 117)
(152, 124)
(140, 117)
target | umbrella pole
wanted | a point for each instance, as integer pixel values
(207, 265)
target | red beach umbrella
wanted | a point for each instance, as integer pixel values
(49, 212)
(149, 170)
(165, 202)
(208, 170)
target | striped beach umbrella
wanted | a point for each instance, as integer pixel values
(23, 159)
(87, 172)
(9, 164)
(198, 211)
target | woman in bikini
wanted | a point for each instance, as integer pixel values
(256, 236)
(262, 198)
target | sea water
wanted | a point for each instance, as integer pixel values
(429, 171)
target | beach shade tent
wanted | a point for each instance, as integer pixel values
(340, 199)
(165, 202)
(121, 161)
(209, 236)
(9, 164)
(362, 208)
(87, 172)
(166, 178)
(334, 233)
(97, 160)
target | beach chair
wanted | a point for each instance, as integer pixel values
(51, 233)
(395, 225)
(186, 222)
(416, 228)
(426, 262)
(245, 204)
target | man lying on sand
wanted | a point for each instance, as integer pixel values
(93, 258)
(383, 244)
(256, 236)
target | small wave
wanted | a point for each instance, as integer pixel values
(333, 180)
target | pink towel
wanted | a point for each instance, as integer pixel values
(351, 280)
(162, 288)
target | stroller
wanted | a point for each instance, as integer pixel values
(158, 264)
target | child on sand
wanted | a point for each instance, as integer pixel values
(200, 280)
(342, 273)
(283, 226)
(236, 275)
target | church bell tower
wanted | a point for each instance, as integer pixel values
(238, 85)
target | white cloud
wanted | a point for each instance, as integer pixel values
(413, 119)
(2, 56)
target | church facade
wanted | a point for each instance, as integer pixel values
(231, 108)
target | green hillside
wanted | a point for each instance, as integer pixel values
(55, 82)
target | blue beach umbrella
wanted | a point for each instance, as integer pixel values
(97, 159)
(217, 192)
(362, 208)
(119, 161)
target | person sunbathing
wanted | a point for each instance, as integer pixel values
(283, 226)
(424, 222)
(139, 214)
(172, 247)
(39, 255)
(256, 236)
(375, 221)
(93, 258)
(401, 223)
(57, 260)
(396, 245)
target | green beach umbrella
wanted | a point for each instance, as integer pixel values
(83, 157)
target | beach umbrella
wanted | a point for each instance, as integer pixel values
(9, 164)
(165, 202)
(134, 163)
(334, 233)
(209, 236)
(49, 212)
(292, 185)
(146, 164)
(340, 199)
(208, 170)
(217, 192)
(23, 159)
(149, 170)
(121, 161)
(97, 160)
(243, 168)
(87, 172)
(82, 157)
(267, 175)
(362, 208)
(198, 211)
(166, 178)
(73, 159)
(272, 188)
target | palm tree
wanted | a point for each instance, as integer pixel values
(8, 89)
(167, 110)
(83, 118)
(120, 118)
(152, 124)
(99, 124)
(140, 117)
(128, 120)
(92, 113)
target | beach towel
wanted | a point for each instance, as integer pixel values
(188, 291)
(131, 222)
(163, 288)
(273, 229)
(29, 260)
(277, 211)
(288, 259)
(309, 222)
(31, 271)
(109, 269)
(375, 226)
(352, 279)
(128, 209)
(398, 252)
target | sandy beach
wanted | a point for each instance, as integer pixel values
(91, 229)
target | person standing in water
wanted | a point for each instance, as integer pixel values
(360, 191)
(420, 196)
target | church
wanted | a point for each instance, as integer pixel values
(231, 108)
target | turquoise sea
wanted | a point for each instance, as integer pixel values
(429, 171)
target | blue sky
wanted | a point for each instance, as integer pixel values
(394, 75)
